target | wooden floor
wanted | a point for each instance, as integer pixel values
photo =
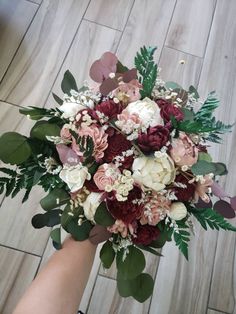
(39, 40)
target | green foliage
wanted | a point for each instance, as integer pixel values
(68, 83)
(181, 240)
(86, 146)
(55, 198)
(103, 217)
(208, 108)
(48, 219)
(147, 69)
(204, 156)
(14, 148)
(41, 129)
(56, 238)
(57, 99)
(203, 167)
(107, 254)
(140, 288)
(192, 90)
(125, 267)
(209, 217)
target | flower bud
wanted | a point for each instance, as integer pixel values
(177, 211)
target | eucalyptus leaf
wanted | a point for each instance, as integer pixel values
(102, 216)
(49, 219)
(68, 83)
(41, 129)
(107, 254)
(203, 167)
(54, 199)
(57, 99)
(33, 113)
(56, 238)
(14, 148)
(204, 156)
(172, 85)
(79, 233)
(192, 90)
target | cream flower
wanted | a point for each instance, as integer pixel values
(74, 176)
(154, 172)
(70, 109)
(177, 211)
(91, 204)
(147, 111)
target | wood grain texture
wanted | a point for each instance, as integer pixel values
(147, 25)
(190, 26)
(106, 300)
(109, 13)
(214, 312)
(172, 69)
(15, 17)
(219, 72)
(181, 286)
(152, 262)
(17, 270)
(35, 66)
(90, 43)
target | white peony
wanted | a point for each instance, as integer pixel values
(154, 172)
(74, 176)
(147, 110)
(177, 211)
(70, 109)
(91, 204)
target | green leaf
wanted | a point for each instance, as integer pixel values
(209, 217)
(204, 156)
(192, 90)
(126, 268)
(147, 69)
(55, 198)
(120, 68)
(79, 233)
(140, 288)
(41, 129)
(181, 240)
(68, 83)
(56, 238)
(203, 167)
(172, 85)
(33, 112)
(14, 148)
(57, 99)
(49, 219)
(188, 114)
(107, 254)
(208, 108)
(103, 217)
(220, 169)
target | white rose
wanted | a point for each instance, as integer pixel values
(70, 109)
(91, 204)
(177, 211)
(147, 110)
(74, 176)
(154, 172)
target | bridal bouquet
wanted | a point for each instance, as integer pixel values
(128, 152)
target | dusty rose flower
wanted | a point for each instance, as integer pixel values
(128, 92)
(99, 138)
(128, 122)
(202, 189)
(122, 228)
(155, 209)
(183, 151)
(65, 132)
(105, 175)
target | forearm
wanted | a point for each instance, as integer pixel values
(58, 288)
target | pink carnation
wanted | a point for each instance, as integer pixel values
(128, 122)
(99, 138)
(122, 228)
(128, 92)
(105, 175)
(183, 151)
(155, 209)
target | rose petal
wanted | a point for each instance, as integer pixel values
(130, 75)
(67, 155)
(233, 202)
(218, 191)
(224, 209)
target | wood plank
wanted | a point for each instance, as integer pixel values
(35, 1)
(219, 73)
(181, 286)
(190, 26)
(105, 299)
(210, 311)
(17, 270)
(90, 43)
(172, 68)
(36, 64)
(15, 17)
(152, 262)
(147, 25)
(109, 13)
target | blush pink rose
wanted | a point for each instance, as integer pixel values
(155, 209)
(183, 151)
(65, 132)
(105, 175)
(99, 138)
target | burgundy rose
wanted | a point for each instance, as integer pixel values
(145, 234)
(116, 145)
(91, 186)
(155, 138)
(127, 211)
(184, 194)
(109, 108)
(168, 109)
